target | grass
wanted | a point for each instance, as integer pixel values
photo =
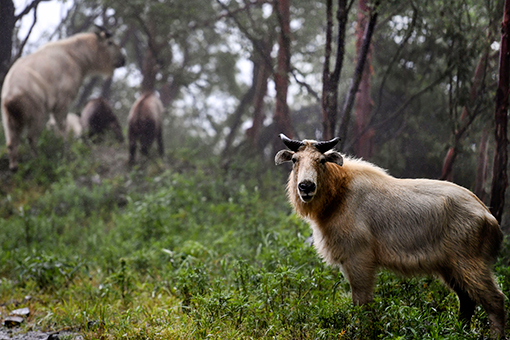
(186, 249)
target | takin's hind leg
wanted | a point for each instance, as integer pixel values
(493, 301)
(161, 149)
(12, 129)
(35, 127)
(132, 151)
(480, 285)
(466, 304)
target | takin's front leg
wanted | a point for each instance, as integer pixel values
(360, 273)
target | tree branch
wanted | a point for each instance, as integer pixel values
(27, 9)
(400, 109)
(22, 46)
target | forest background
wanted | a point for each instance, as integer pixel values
(407, 85)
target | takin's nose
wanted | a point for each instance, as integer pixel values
(307, 190)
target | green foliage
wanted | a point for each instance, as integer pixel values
(194, 246)
(197, 251)
(47, 271)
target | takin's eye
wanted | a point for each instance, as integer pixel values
(322, 160)
(294, 160)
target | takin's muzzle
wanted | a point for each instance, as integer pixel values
(306, 190)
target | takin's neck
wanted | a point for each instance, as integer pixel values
(332, 190)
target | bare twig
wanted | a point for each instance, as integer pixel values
(27, 9)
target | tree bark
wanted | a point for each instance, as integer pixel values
(465, 120)
(7, 22)
(363, 106)
(482, 166)
(330, 80)
(358, 72)
(500, 176)
(262, 76)
(236, 117)
(281, 78)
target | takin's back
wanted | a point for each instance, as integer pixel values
(413, 223)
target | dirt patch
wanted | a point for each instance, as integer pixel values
(18, 334)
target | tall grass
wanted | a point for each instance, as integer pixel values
(189, 249)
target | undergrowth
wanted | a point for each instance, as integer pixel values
(188, 248)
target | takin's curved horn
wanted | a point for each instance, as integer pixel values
(294, 145)
(326, 145)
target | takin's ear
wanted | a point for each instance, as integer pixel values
(101, 32)
(334, 157)
(283, 156)
(101, 36)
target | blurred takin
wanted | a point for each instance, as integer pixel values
(73, 125)
(97, 118)
(363, 219)
(144, 124)
(48, 80)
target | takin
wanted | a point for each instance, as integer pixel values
(73, 125)
(364, 219)
(97, 117)
(145, 124)
(48, 80)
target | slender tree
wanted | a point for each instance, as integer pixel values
(261, 74)
(364, 104)
(358, 71)
(7, 21)
(500, 176)
(466, 118)
(330, 79)
(281, 78)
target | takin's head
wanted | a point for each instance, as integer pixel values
(110, 54)
(309, 158)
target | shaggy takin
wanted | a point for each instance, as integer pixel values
(364, 219)
(145, 124)
(48, 80)
(97, 117)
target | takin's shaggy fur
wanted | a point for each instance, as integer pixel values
(97, 118)
(363, 219)
(48, 80)
(145, 124)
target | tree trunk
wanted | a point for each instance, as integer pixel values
(262, 73)
(149, 71)
(281, 78)
(500, 176)
(363, 106)
(358, 72)
(236, 117)
(7, 22)
(482, 165)
(330, 80)
(451, 155)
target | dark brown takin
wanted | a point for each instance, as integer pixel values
(97, 118)
(145, 124)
